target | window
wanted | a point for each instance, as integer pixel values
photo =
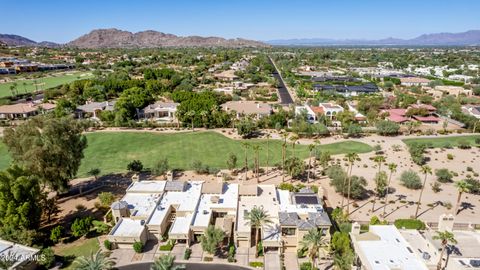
(288, 231)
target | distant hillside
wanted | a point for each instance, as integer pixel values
(16, 40)
(468, 38)
(114, 38)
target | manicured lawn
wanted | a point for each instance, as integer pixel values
(43, 83)
(80, 248)
(440, 142)
(112, 151)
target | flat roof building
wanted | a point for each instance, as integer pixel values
(384, 248)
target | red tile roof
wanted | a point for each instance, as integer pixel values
(426, 118)
(317, 110)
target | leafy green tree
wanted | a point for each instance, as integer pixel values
(416, 152)
(246, 128)
(132, 100)
(161, 167)
(211, 239)
(380, 186)
(313, 241)
(445, 238)
(294, 167)
(354, 130)
(81, 226)
(50, 148)
(257, 218)
(47, 257)
(20, 198)
(106, 198)
(135, 166)
(232, 161)
(166, 262)
(56, 234)
(387, 128)
(96, 261)
(95, 172)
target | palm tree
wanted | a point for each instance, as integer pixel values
(379, 160)
(204, 115)
(97, 261)
(211, 239)
(191, 115)
(462, 186)
(313, 242)
(352, 156)
(316, 142)
(310, 149)
(343, 261)
(284, 154)
(445, 238)
(256, 149)
(392, 167)
(7, 261)
(166, 262)
(268, 136)
(246, 145)
(293, 140)
(426, 170)
(257, 218)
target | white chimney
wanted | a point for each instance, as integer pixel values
(355, 228)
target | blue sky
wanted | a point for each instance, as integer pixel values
(64, 20)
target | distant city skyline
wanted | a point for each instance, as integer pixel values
(63, 21)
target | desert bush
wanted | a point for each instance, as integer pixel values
(411, 180)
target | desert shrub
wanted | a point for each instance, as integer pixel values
(187, 253)
(416, 151)
(106, 198)
(474, 186)
(411, 180)
(135, 166)
(47, 258)
(138, 247)
(464, 144)
(81, 226)
(167, 247)
(413, 224)
(436, 187)
(107, 244)
(450, 156)
(207, 259)
(443, 175)
(307, 266)
(256, 264)
(469, 169)
(56, 234)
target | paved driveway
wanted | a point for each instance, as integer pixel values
(272, 261)
(291, 261)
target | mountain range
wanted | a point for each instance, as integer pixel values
(114, 38)
(468, 38)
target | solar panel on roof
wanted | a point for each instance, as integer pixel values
(300, 199)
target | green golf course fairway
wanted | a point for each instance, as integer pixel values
(42, 83)
(112, 151)
(442, 141)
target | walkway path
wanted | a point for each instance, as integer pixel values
(283, 91)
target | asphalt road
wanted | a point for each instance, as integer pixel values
(283, 93)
